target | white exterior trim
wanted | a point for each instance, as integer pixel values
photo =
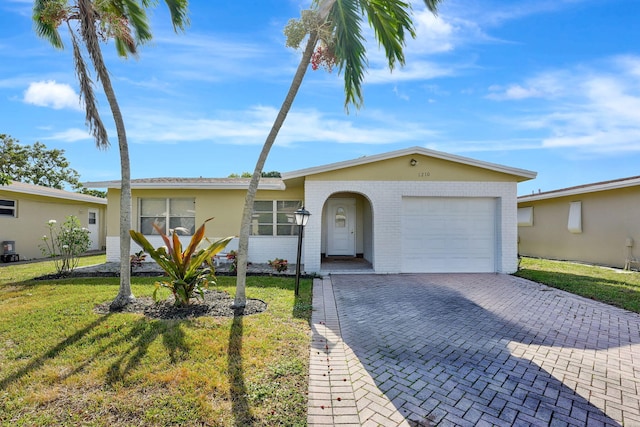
(582, 189)
(39, 190)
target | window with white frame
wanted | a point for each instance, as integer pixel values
(170, 215)
(8, 208)
(274, 218)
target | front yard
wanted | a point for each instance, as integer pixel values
(611, 286)
(63, 364)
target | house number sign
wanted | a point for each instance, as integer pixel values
(424, 174)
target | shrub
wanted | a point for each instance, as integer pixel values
(65, 244)
(137, 259)
(187, 277)
(233, 256)
(279, 264)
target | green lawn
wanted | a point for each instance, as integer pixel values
(611, 286)
(62, 364)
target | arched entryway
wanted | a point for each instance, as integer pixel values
(347, 233)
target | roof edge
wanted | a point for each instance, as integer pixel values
(526, 174)
(582, 189)
(39, 190)
(186, 185)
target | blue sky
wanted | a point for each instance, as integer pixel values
(551, 86)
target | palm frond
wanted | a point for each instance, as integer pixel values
(432, 5)
(46, 26)
(389, 20)
(87, 18)
(345, 17)
(137, 18)
(92, 116)
(178, 10)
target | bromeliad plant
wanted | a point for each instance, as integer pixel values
(187, 277)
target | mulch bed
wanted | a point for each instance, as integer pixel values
(215, 304)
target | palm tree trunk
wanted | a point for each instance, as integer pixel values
(90, 38)
(125, 294)
(243, 244)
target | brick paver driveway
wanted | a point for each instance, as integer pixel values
(469, 350)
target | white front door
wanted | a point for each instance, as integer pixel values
(93, 224)
(341, 227)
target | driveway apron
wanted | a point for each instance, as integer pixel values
(469, 350)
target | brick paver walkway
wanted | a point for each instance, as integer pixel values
(468, 350)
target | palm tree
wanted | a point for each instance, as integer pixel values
(126, 22)
(334, 36)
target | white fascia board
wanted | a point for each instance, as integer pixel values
(580, 190)
(182, 185)
(409, 151)
(38, 190)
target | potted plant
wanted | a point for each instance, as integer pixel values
(137, 259)
(233, 256)
(187, 278)
(279, 264)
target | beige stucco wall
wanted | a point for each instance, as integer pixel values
(33, 214)
(400, 169)
(609, 218)
(225, 206)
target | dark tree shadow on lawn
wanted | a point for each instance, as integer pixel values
(142, 334)
(39, 361)
(237, 388)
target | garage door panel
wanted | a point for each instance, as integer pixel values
(441, 234)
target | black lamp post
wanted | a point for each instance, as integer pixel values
(302, 216)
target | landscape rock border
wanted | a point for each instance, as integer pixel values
(215, 304)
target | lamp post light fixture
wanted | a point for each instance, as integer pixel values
(302, 216)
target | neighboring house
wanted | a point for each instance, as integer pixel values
(412, 210)
(25, 210)
(595, 223)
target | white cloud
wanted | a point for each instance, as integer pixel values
(69, 135)
(412, 71)
(594, 109)
(52, 94)
(251, 127)
(547, 85)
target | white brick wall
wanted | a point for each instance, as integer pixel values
(386, 201)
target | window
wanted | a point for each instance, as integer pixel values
(274, 218)
(169, 215)
(92, 218)
(575, 218)
(8, 208)
(341, 218)
(525, 216)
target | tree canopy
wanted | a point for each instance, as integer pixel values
(35, 164)
(272, 174)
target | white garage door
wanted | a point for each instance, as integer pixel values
(443, 234)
